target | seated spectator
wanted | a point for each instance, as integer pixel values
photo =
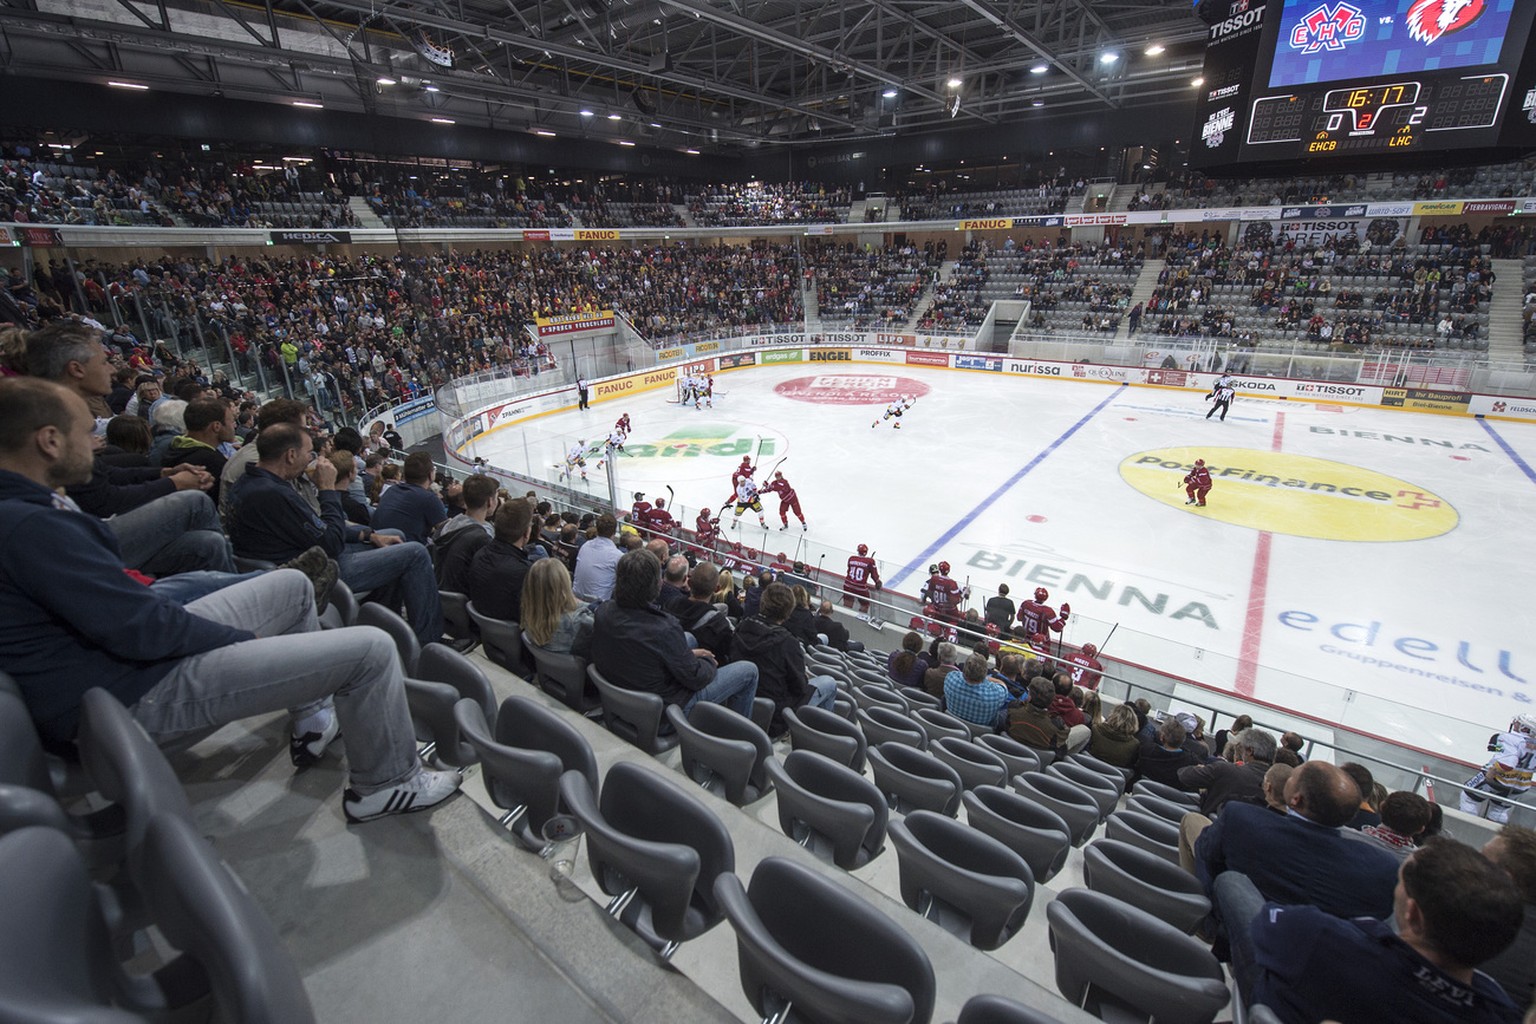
(1224, 737)
(551, 615)
(674, 583)
(460, 537)
(128, 441)
(971, 697)
(1302, 857)
(699, 616)
(638, 646)
(358, 512)
(946, 659)
(410, 507)
(72, 619)
(1031, 722)
(826, 625)
(1454, 911)
(1293, 742)
(801, 623)
(727, 595)
(209, 423)
(596, 562)
(269, 520)
(1064, 706)
(1164, 753)
(494, 581)
(1366, 813)
(1243, 779)
(907, 667)
(167, 422)
(1514, 850)
(762, 640)
(1114, 739)
(279, 410)
(1403, 817)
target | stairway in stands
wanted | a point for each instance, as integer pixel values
(1146, 284)
(366, 218)
(1505, 327)
(925, 300)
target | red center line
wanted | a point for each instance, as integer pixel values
(1253, 626)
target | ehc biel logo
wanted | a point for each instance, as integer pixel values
(1328, 27)
(1428, 20)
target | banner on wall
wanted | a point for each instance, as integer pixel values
(634, 383)
(38, 236)
(735, 359)
(576, 323)
(1424, 400)
(986, 224)
(317, 237)
(918, 357)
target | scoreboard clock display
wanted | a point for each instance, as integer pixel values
(1321, 79)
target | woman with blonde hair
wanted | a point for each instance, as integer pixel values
(552, 616)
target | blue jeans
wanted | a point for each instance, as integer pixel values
(734, 686)
(293, 665)
(408, 565)
(187, 587)
(1238, 903)
(177, 533)
(823, 691)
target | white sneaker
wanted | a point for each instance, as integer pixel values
(424, 789)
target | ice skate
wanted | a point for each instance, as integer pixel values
(784, 527)
(1191, 501)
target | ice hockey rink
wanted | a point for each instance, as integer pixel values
(1366, 566)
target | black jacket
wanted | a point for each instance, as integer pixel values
(709, 627)
(644, 649)
(836, 632)
(494, 581)
(780, 662)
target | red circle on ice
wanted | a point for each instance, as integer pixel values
(1461, 458)
(851, 388)
(1035, 518)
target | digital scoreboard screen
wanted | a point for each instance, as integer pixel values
(1328, 79)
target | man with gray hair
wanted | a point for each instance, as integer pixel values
(1221, 781)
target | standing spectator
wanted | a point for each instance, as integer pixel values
(1000, 610)
(640, 647)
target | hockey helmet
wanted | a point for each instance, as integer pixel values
(778, 476)
(1042, 595)
(1090, 650)
(781, 557)
(992, 629)
(1199, 462)
(639, 495)
(863, 549)
(1524, 723)
(933, 570)
(746, 460)
(661, 503)
(704, 513)
(943, 568)
(1038, 641)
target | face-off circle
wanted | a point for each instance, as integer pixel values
(851, 388)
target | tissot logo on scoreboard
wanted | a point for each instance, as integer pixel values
(851, 388)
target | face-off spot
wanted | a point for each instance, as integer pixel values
(851, 388)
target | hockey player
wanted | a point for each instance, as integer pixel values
(744, 471)
(1197, 484)
(862, 575)
(611, 447)
(639, 510)
(1222, 395)
(747, 497)
(894, 411)
(788, 502)
(1086, 668)
(657, 519)
(942, 595)
(575, 459)
(1036, 616)
(622, 426)
(706, 530)
(709, 391)
(1507, 775)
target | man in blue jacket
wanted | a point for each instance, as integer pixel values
(71, 619)
(269, 520)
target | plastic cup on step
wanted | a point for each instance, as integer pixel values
(562, 840)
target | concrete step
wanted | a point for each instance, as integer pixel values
(366, 218)
(1146, 284)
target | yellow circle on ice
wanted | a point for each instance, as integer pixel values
(1294, 494)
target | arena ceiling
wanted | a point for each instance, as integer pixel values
(678, 73)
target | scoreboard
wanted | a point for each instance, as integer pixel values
(1322, 80)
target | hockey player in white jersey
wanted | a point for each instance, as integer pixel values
(747, 496)
(575, 460)
(1507, 775)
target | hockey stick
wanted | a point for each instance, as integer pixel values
(776, 465)
(817, 579)
(1108, 638)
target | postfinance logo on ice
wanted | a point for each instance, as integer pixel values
(1294, 494)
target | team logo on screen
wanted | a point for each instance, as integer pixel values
(1330, 27)
(1428, 20)
(1529, 106)
(1215, 129)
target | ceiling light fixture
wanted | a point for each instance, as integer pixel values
(1197, 83)
(429, 87)
(544, 132)
(889, 94)
(1155, 50)
(954, 83)
(615, 117)
(309, 105)
(1035, 103)
(1108, 58)
(1039, 69)
(129, 85)
(625, 142)
(384, 80)
(443, 120)
(586, 113)
(691, 152)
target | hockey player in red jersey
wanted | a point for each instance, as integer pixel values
(742, 472)
(788, 502)
(1197, 484)
(1086, 668)
(862, 575)
(942, 595)
(622, 426)
(639, 510)
(706, 530)
(658, 520)
(1036, 616)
